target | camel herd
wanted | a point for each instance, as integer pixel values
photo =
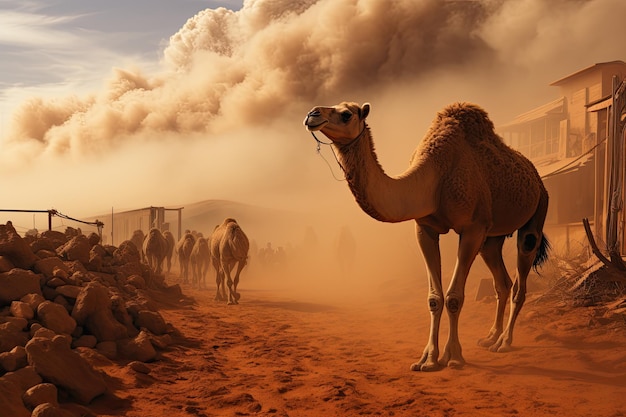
(227, 246)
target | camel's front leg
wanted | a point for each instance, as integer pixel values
(470, 242)
(429, 244)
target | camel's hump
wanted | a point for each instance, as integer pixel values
(472, 119)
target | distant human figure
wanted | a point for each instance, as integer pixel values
(345, 250)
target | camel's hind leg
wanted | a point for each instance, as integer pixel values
(491, 253)
(219, 281)
(240, 266)
(232, 299)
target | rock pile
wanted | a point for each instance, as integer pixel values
(64, 300)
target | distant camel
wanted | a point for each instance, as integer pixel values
(199, 261)
(183, 250)
(155, 248)
(171, 243)
(137, 239)
(229, 246)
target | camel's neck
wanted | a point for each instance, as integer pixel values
(411, 195)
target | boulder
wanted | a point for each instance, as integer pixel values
(8, 404)
(152, 321)
(107, 349)
(138, 348)
(5, 264)
(13, 360)
(126, 252)
(86, 340)
(69, 291)
(76, 249)
(14, 247)
(12, 335)
(50, 240)
(60, 365)
(48, 266)
(24, 378)
(93, 239)
(137, 281)
(92, 311)
(55, 317)
(22, 309)
(41, 394)
(17, 283)
(33, 300)
(50, 410)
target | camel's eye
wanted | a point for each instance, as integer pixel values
(345, 116)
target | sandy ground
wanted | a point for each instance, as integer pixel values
(286, 353)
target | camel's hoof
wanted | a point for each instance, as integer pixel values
(232, 303)
(425, 367)
(456, 364)
(487, 342)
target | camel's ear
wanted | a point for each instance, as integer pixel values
(365, 110)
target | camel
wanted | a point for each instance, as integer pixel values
(461, 177)
(229, 246)
(154, 249)
(137, 239)
(199, 260)
(183, 250)
(171, 243)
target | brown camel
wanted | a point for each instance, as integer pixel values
(171, 243)
(461, 177)
(199, 260)
(137, 238)
(154, 249)
(229, 246)
(183, 250)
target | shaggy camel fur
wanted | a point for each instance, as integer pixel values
(229, 246)
(183, 250)
(155, 248)
(461, 177)
(199, 260)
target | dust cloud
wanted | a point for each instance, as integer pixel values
(223, 117)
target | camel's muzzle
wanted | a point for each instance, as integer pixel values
(314, 121)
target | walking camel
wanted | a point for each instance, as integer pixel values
(183, 250)
(171, 243)
(199, 261)
(229, 246)
(154, 249)
(461, 177)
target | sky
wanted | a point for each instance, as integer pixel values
(124, 104)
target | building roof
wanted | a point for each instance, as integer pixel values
(554, 107)
(586, 70)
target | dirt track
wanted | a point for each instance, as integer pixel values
(276, 354)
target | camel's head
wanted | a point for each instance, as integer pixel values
(341, 123)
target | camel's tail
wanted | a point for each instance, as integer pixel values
(542, 253)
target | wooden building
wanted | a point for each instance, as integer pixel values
(570, 140)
